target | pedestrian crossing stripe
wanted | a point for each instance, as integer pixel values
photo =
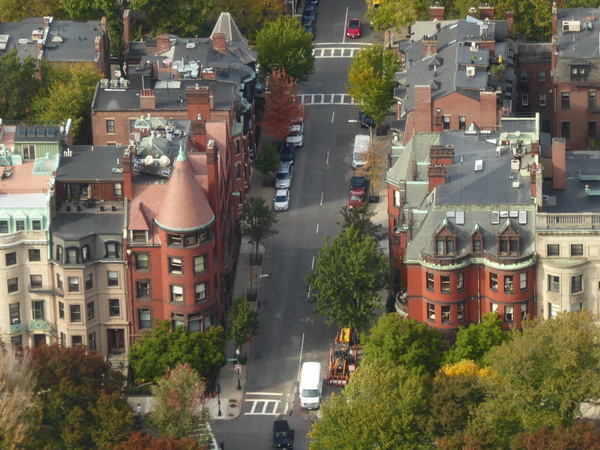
(335, 52)
(326, 99)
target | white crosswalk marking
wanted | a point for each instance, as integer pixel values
(326, 99)
(335, 52)
(262, 406)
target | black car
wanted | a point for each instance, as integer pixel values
(364, 120)
(359, 182)
(283, 437)
(311, 2)
(288, 154)
(310, 12)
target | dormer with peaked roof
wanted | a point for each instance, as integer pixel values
(184, 207)
(445, 239)
(509, 240)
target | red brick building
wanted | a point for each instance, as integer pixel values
(462, 225)
(575, 76)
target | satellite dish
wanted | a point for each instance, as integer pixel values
(164, 160)
(148, 160)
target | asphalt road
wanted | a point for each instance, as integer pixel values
(289, 333)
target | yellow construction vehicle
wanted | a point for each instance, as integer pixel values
(343, 357)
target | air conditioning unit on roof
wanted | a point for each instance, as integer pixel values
(470, 71)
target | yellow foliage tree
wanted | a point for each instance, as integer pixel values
(465, 367)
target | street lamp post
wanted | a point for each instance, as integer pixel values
(237, 355)
(219, 414)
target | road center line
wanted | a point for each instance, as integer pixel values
(317, 232)
(300, 361)
(321, 203)
(327, 159)
(332, 116)
(312, 266)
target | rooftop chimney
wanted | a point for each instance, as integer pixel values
(163, 43)
(510, 18)
(486, 11)
(430, 45)
(47, 21)
(219, 43)
(97, 43)
(436, 175)
(104, 26)
(147, 99)
(559, 163)
(436, 12)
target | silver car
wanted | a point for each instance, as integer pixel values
(284, 176)
(281, 202)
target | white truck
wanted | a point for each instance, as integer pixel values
(310, 388)
(362, 144)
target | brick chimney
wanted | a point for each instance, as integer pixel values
(559, 163)
(422, 112)
(147, 100)
(47, 21)
(104, 27)
(436, 12)
(199, 102)
(510, 19)
(430, 45)
(199, 133)
(220, 43)
(163, 43)
(126, 29)
(208, 73)
(98, 43)
(441, 155)
(212, 160)
(436, 175)
(486, 11)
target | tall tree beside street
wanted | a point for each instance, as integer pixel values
(282, 106)
(396, 13)
(349, 272)
(474, 341)
(17, 407)
(360, 219)
(384, 407)
(166, 347)
(242, 321)
(267, 160)
(185, 18)
(178, 403)
(406, 342)
(258, 221)
(371, 80)
(284, 44)
(68, 93)
(82, 399)
(18, 86)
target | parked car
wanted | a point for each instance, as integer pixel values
(358, 197)
(283, 437)
(353, 28)
(359, 182)
(295, 136)
(364, 120)
(281, 202)
(310, 12)
(288, 154)
(311, 2)
(284, 176)
(362, 144)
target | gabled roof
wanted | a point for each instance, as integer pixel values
(139, 220)
(184, 207)
(225, 24)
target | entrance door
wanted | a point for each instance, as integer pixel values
(39, 339)
(116, 341)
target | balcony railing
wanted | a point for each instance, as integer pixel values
(38, 324)
(568, 221)
(17, 328)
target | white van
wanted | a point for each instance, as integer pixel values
(361, 146)
(310, 388)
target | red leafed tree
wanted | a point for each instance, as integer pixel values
(282, 106)
(140, 441)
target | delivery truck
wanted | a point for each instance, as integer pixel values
(310, 388)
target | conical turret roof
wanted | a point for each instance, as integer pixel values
(184, 207)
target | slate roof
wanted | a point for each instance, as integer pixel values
(70, 226)
(90, 163)
(64, 41)
(30, 133)
(579, 47)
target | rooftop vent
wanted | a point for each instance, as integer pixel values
(478, 165)
(190, 45)
(470, 71)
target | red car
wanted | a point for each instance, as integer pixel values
(353, 28)
(357, 198)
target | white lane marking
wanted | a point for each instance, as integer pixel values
(300, 360)
(312, 266)
(308, 295)
(326, 161)
(317, 232)
(332, 118)
(264, 393)
(326, 99)
(345, 22)
(266, 404)
(321, 204)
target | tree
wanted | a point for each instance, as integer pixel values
(179, 403)
(258, 221)
(476, 340)
(81, 398)
(350, 271)
(582, 436)
(140, 441)
(396, 13)
(405, 342)
(18, 85)
(242, 321)
(18, 407)
(166, 347)
(267, 160)
(545, 372)
(250, 15)
(360, 219)
(11, 11)
(282, 107)
(384, 407)
(69, 94)
(376, 163)
(284, 44)
(371, 81)
(185, 18)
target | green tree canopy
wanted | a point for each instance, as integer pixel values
(68, 94)
(383, 407)
(250, 15)
(474, 341)
(18, 86)
(349, 272)
(258, 221)
(242, 321)
(178, 403)
(371, 80)
(185, 18)
(267, 160)
(360, 219)
(164, 348)
(405, 342)
(396, 13)
(284, 44)
(81, 398)
(544, 373)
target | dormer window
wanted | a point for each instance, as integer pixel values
(112, 250)
(476, 242)
(445, 240)
(139, 235)
(509, 241)
(578, 73)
